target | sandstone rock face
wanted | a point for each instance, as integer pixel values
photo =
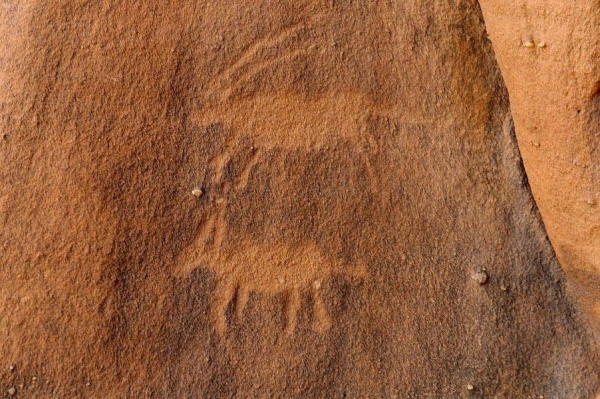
(272, 199)
(548, 52)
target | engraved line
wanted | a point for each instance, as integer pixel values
(222, 298)
(321, 321)
(220, 229)
(245, 176)
(243, 294)
(254, 48)
(291, 310)
(228, 92)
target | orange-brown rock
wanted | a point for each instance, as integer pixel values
(548, 52)
(276, 199)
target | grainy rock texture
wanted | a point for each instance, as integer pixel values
(549, 54)
(272, 199)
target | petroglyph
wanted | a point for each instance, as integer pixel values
(252, 265)
(287, 180)
(275, 49)
(256, 234)
(268, 269)
(291, 121)
(271, 263)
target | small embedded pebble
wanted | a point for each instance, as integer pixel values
(541, 44)
(481, 277)
(470, 387)
(504, 287)
(197, 192)
(11, 368)
(529, 43)
(11, 391)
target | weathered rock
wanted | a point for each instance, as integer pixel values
(356, 163)
(554, 90)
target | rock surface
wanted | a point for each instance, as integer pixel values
(549, 54)
(357, 167)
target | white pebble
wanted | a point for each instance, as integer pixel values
(481, 277)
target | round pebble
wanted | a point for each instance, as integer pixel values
(481, 277)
